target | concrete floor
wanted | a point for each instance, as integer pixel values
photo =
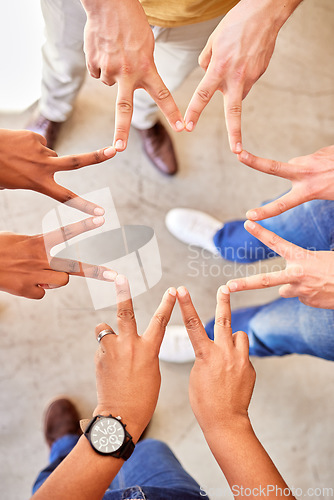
(47, 347)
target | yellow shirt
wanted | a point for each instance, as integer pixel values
(170, 13)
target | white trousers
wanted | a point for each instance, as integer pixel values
(64, 66)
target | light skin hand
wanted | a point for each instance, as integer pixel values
(127, 365)
(119, 46)
(309, 275)
(236, 55)
(220, 389)
(312, 178)
(27, 268)
(26, 163)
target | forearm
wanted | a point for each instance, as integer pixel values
(245, 463)
(82, 474)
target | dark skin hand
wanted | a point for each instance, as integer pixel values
(26, 163)
(27, 268)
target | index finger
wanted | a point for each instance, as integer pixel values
(65, 233)
(164, 99)
(157, 327)
(279, 245)
(271, 167)
(222, 328)
(233, 108)
(202, 96)
(73, 162)
(193, 324)
(265, 280)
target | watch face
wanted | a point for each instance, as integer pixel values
(107, 435)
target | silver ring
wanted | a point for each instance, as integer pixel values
(103, 333)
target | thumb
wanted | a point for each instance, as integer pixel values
(205, 56)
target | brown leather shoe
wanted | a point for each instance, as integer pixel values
(158, 146)
(46, 128)
(61, 418)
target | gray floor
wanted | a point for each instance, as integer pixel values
(47, 347)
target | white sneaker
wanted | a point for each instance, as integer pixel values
(193, 227)
(176, 346)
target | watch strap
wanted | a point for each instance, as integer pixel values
(84, 424)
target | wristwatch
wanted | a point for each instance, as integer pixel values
(108, 436)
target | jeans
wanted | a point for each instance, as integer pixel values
(151, 473)
(284, 326)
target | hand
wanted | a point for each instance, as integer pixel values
(27, 268)
(26, 163)
(236, 55)
(222, 378)
(312, 178)
(127, 365)
(119, 46)
(308, 275)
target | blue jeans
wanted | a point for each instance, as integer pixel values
(284, 326)
(151, 473)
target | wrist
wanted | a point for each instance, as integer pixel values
(236, 425)
(281, 10)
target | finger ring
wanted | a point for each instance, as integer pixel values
(103, 333)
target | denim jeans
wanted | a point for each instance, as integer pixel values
(284, 326)
(151, 473)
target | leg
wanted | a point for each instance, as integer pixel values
(285, 326)
(176, 55)
(161, 470)
(64, 66)
(310, 225)
(59, 450)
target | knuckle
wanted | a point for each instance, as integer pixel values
(223, 322)
(204, 95)
(125, 315)
(163, 94)
(161, 320)
(281, 207)
(192, 323)
(97, 273)
(265, 281)
(275, 167)
(124, 106)
(234, 110)
(274, 239)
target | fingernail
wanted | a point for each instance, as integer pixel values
(120, 279)
(98, 220)
(99, 211)
(243, 155)
(250, 224)
(52, 286)
(172, 292)
(232, 287)
(238, 147)
(179, 125)
(224, 289)
(110, 275)
(109, 151)
(119, 144)
(251, 214)
(182, 291)
(190, 126)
